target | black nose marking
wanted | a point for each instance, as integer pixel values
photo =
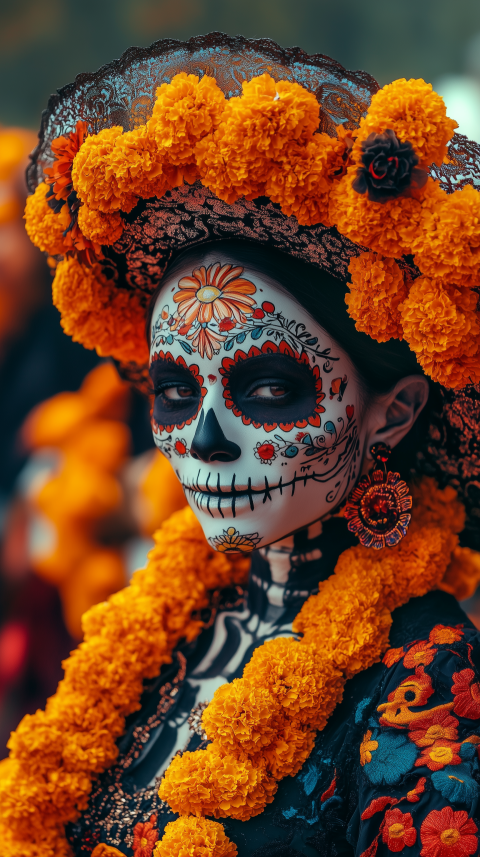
(210, 443)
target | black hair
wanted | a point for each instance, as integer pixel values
(379, 365)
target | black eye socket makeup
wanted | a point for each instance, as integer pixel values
(273, 388)
(177, 392)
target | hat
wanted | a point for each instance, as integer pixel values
(187, 142)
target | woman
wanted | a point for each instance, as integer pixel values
(229, 220)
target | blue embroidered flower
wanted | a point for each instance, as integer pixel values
(467, 751)
(387, 762)
(456, 784)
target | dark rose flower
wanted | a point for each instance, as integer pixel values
(389, 168)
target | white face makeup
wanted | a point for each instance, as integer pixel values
(256, 407)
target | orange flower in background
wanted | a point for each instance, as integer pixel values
(65, 149)
(420, 653)
(445, 833)
(398, 830)
(216, 292)
(440, 725)
(144, 838)
(442, 634)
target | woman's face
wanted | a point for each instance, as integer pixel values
(256, 406)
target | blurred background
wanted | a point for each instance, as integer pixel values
(79, 475)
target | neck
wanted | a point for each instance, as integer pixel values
(286, 573)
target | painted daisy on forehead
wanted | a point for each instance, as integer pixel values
(217, 294)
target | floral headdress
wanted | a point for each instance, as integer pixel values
(376, 183)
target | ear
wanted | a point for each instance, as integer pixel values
(392, 416)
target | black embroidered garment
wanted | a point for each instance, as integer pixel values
(396, 767)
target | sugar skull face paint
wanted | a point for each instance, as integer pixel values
(256, 406)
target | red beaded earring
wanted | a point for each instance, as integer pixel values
(378, 507)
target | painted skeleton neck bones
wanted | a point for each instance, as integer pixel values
(255, 405)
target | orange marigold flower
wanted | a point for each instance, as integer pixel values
(195, 837)
(376, 291)
(93, 176)
(441, 325)
(44, 227)
(99, 227)
(302, 178)
(393, 656)
(439, 754)
(420, 653)
(241, 716)
(287, 753)
(440, 725)
(442, 634)
(388, 228)
(447, 243)
(255, 130)
(186, 110)
(137, 167)
(437, 506)
(298, 677)
(65, 149)
(99, 315)
(209, 782)
(415, 113)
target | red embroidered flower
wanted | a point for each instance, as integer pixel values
(445, 833)
(441, 753)
(442, 634)
(467, 694)
(420, 653)
(398, 830)
(144, 838)
(440, 725)
(392, 656)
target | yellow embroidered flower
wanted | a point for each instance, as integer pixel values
(99, 227)
(195, 837)
(99, 314)
(376, 291)
(415, 113)
(367, 747)
(43, 226)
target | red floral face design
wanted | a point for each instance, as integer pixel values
(194, 371)
(229, 363)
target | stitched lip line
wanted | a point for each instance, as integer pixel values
(201, 494)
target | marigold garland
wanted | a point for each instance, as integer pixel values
(262, 726)
(265, 142)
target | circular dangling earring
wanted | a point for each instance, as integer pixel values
(377, 510)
